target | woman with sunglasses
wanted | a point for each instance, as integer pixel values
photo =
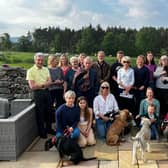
(105, 107)
(125, 80)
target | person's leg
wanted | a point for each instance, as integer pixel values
(40, 108)
(75, 134)
(101, 129)
(153, 131)
(91, 138)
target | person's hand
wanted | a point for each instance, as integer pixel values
(53, 139)
(153, 120)
(70, 129)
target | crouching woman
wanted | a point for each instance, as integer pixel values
(85, 124)
(67, 117)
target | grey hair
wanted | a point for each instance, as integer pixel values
(74, 58)
(70, 93)
(38, 54)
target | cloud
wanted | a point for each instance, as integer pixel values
(139, 9)
(20, 16)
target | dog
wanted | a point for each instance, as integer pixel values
(142, 140)
(67, 147)
(117, 127)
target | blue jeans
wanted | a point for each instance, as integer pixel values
(101, 128)
(74, 135)
(154, 131)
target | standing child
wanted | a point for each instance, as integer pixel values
(85, 124)
(164, 126)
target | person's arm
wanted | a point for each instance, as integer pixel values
(141, 108)
(58, 120)
(157, 108)
(76, 118)
(34, 86)
(90, 119)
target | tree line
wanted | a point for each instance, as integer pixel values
(91, 39)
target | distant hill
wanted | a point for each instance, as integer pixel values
(14, 39)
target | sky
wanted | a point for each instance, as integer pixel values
(17, 17)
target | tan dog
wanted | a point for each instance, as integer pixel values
(116, 128)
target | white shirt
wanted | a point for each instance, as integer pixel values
(126, 77)
(100, 105)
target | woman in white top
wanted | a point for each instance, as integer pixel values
(104, 104)
(125, 80)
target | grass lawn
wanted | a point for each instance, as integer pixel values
(25, 59)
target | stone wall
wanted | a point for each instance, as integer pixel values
(13, 83)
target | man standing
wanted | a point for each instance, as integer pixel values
(102, 68)
(39, 80)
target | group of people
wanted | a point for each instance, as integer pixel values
(81, 91)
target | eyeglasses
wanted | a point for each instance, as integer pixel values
(126, 62)
(104, 87)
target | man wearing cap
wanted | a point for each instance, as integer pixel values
(39, 80)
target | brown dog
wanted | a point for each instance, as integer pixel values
(116, 128)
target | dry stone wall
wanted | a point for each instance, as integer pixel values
(13, 83)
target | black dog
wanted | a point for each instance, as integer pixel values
(69, 147)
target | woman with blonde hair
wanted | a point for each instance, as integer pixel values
(85, 124)
(125, 80)
(105, 107)
(64, 64)
(58, 86)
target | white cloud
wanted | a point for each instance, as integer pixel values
(139, 9)
(17, 17)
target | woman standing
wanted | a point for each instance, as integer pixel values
(85, 124)
(161, 75)
(150, 64)
(58, 86)
(125, 80)
(64, 64)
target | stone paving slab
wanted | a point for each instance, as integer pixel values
(163, 164)
(108, 164)
(125, 159)
(148, 164)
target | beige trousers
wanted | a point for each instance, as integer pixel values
(82, 140)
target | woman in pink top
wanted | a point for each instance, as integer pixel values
(64, 64)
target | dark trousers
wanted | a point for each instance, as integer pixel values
(43, 111)
(57, 97)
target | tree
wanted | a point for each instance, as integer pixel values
(108, 42)
(5, 43)
(148, 38)
(87, 42)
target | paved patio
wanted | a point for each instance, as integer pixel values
(108, 156)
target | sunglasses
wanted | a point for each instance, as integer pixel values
(104, 87)
(126, 62)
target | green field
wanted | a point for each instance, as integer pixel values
(25, 59)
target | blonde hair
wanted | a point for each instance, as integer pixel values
(51, 58)
(162, 58)
(125, 58)
(60, 62)
(106, 84)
